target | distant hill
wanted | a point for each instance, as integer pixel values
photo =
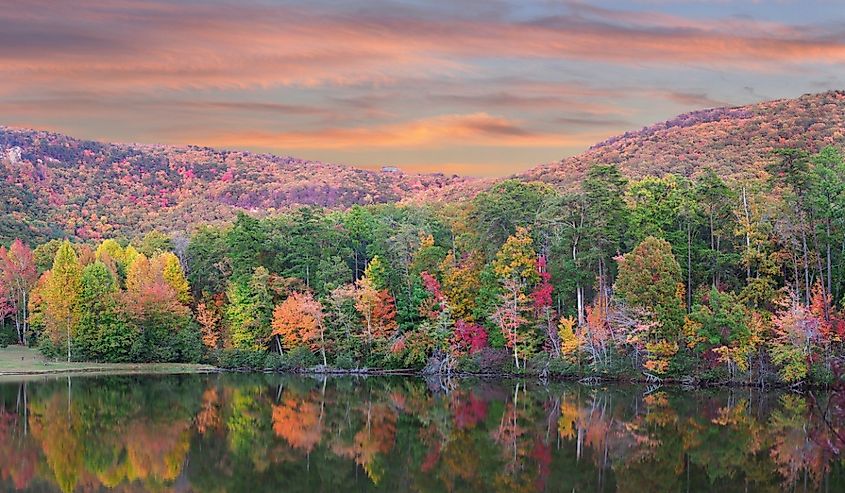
(54, 185)
(736, 142)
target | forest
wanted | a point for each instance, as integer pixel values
(696, 280)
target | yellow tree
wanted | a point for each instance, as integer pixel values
(174, 276)
(61, 295)
(516, 268)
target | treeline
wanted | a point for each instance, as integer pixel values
(687, 278)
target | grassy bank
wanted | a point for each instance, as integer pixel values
(19, 360)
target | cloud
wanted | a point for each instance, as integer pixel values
(471, 129)
(348, 77)
(189, 45)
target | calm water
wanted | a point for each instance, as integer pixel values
(255, 433)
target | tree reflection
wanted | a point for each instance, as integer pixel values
(268, 433)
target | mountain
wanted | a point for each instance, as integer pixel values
(736, 142)
(54, 185)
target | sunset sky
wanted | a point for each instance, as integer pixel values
(479, 87)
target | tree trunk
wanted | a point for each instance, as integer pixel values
(689, 267)
(829, 267)
(712, 251)
(68, 342)
(747, 234)
(806, 261)
(579, 292)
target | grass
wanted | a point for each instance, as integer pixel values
(19, 360)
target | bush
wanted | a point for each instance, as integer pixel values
(560, 367)
(188, 345)
(820, 374)
(7, 335)
(300, 358)
(491, 360)
(275, 362)
(48, 348)
(468, 364)
(242, 359)
(344, 361)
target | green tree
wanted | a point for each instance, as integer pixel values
(103, 333)
(247, 243)
(155, 243)
(249, 311)
(209, 265)
(607, 221)
(497, 213)
(716, 199)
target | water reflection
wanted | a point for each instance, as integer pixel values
(232, 433)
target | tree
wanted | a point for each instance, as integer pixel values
(516, 268)
(292, 325)
(155, 243)
(607, 221)
(103, 334)
(377, 309)
(61, 295)
(249, 310)
(722, 324)
(827, 201)
(650, 278)
(165, 327)
(209, 316)
(246, 242)
(175, 276)
(797, 336)
(376, 274)
(497, 213)
(715, 199)
(563, 223)
(19, 275)
(298, 322)
(461, 284)
(510, 316)
(208, 263)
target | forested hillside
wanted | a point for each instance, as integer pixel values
(735, 142)
(55, 186)
(694, 279)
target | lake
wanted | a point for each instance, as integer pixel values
(257, 433)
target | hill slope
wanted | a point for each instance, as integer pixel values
(54, 185)
(735, 142)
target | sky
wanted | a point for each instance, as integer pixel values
(474, 87)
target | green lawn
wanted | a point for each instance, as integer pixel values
(19, 360)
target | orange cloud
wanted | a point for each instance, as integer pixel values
(467, 130)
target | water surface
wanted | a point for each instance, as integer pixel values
(257, 433)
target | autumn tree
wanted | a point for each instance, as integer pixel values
(61, 296)
(650, 278)
(19, 275)
(166, 329)
(298, 322)
(174, 276)
(516, 268)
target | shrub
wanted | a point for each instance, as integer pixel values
(242, 359)
(344, 361)
(300, 358)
